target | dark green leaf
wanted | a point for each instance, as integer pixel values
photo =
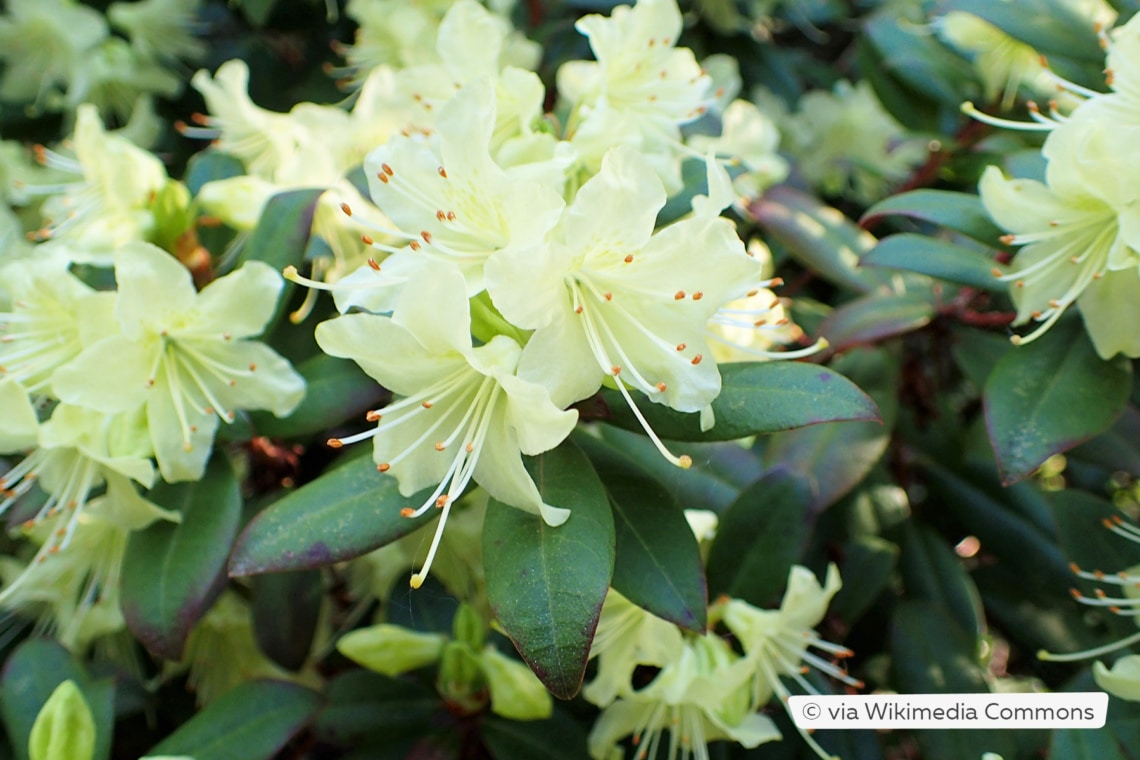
(658, 562)
(757, 397)
(346, 512)
(31, 674)
(818, 236)
(250, 722)
(866, 569)
(363, 705)
(918, 59)
(872, 318)
(1050, 395)
(173, 572)
(336, 390)
(931, 570)
(977, 352)
(546, 585)
(286, 607)
(834, 457)
(208, 166)
(960, 212)
(936, 258)
(557, 738)
(760, 537)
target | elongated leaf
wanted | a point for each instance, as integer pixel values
(818, 236)
(346, 512)
(760, 537)
(286, 607)
(336, 390)
(250, 722)
(872, 318)
(834, 457)
(31, 674)
(1050, 395)
(281, 236)
(936, 258)
(961, 212)
(558, 737)
(919, 60)
(658, 564)
(210, 165)
(758, 397)
(546, 585)
(932, 571)
(1047, 25)
(172, 573)
(866, 571)
(363, 705)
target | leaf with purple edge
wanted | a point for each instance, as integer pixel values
(757, 398)
(172, 573)
(346, 512)
(960, 212)
(546, 585)
(872, 318)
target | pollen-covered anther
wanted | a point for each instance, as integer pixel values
(366, 239)
(608, 296)
(334, 443)
(680, 346)
(679, 295)
(1074, 568)
(696, 360)
(615, 370)
(628, 259)
(442, 172)
(751, 293)
(441, 215)
(373, 265)
(469, 448)
(383, 467)
(698, 295)
(252, 367)
(407, 512)
(451, 216)
(1019, 284)
(414, 245)
(661, 387)
(1035, 314)
(382, 177)
(440, 445)
(577, 309)
(441, 502)
(426, 236)
(996, 272)
(1054, 303)
(347, 209)
(387, 169)
(425, 404)
(1007, 239)
(373, 416)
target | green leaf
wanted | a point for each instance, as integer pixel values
(834, 457)
(866, 568)
(250, 722)
(348, 511)
(208, 166)
(936, 258)
(363, 706)
(336, 390)
(172, 573)
(658, 561)
(757, 397)
(559, 737)
(1048, 396)
(546, 585)
(818, 236)
(31, 675)
(977, 352)
(872, 318)
(286, 607)
(919, 60)
(760, 537)
(281, 236)
(931, 570)
(1048, 26)
(960, 212)
(64, 728)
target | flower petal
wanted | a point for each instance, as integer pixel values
(111, 375)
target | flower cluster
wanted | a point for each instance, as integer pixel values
(512, 270)
(704, 690)
(1079, 226)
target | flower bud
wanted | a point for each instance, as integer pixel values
(64, 728)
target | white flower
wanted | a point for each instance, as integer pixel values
(463, 415)
(610, 298)
(184, 356)
(43, 44)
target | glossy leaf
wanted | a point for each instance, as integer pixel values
(348, 511)
(872, 318)
(250, 722)
(172, 573)
(556, 738)
(836, 456)
(936, 258)
(363, 705)
(961, 212)
(31, 675)
(867, 565)
(1048, 396)
(818, 236)
(931, 570)
(760, 537)
(336, 390)
(658, 562)
(546, 585)
(757, 397)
